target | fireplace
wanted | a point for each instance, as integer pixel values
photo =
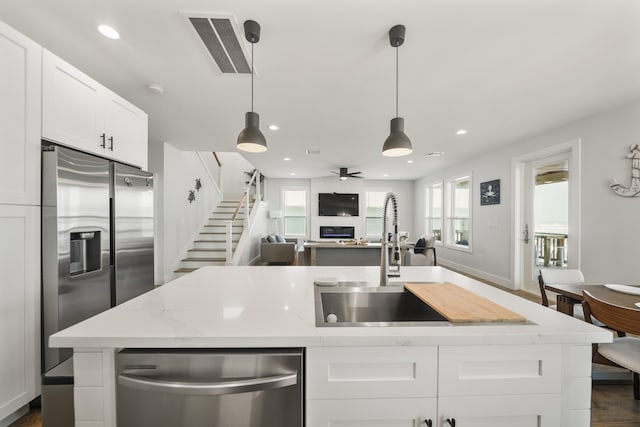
(334, 232)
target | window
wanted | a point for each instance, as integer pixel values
(433, 212)
(458, 231)
(375, 201)
(295, 212)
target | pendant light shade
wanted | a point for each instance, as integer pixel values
(397, 143)
(251, 139)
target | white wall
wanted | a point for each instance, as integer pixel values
(178, 221)
(610, 234)
(402, 189)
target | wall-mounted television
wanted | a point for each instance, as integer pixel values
(338, 204)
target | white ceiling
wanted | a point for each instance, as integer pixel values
(502, 69)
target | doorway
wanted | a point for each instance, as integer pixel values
(546, 212)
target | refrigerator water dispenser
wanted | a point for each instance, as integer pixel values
(85, 252)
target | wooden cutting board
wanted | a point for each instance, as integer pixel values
(460, 305)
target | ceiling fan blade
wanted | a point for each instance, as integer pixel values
(353, 173)
(355, 176)
(337, 173)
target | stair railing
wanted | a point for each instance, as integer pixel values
(245, 201)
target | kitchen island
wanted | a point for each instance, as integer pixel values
(536, 373)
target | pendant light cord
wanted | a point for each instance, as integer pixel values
(396, 81)
(252, 43)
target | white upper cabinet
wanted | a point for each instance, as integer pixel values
(79, 112)
(128, 127)
(20, 95)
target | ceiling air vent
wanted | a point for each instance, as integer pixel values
(221, 40)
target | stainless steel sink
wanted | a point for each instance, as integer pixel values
(349, 305)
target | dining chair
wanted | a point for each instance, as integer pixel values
(623, 351)
(423, 253)
(559, 277)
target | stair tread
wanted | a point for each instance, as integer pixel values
(185, 269)
(206, 250)
(202, 259)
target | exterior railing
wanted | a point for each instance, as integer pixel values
(551, 249)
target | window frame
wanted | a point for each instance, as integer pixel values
(449, 236)
(284, 190)
(428, 215)
(366, 205)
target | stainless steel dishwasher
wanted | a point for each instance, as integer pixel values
(222, 388)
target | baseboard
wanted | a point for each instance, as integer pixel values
(498, 280)
(11, 418)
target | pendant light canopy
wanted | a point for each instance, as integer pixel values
(397, 143)
(251, 139)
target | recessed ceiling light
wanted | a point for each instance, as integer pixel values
(292, 174)
(286, 159)
(461, 132)
(108, 32)
(385, 175)
(274, 127)
(435, 153)
(409, 161)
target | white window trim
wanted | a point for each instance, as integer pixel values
(372, 190)
(427, 194)
(307, 214)
(448, 219)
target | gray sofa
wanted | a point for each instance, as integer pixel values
(275, 249)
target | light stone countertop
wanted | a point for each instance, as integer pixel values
(273, 306)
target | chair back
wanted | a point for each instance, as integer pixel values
(561, 277)
(614, 316)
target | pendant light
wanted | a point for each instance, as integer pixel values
(397, 143)
(251, 139)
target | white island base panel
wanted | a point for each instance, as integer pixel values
(515, 386)
(534, 374)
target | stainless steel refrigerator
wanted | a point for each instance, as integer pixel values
(97, 246)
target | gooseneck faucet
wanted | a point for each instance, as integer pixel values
(385, 265)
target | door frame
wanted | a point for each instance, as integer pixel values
(518, 163)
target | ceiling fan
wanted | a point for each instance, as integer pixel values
(345, 174)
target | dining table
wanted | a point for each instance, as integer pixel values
(571, 294)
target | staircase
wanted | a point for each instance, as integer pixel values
(210, 246)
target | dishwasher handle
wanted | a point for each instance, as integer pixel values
(208, 389)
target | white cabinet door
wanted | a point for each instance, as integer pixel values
(20, 95)
(79, 112)
(500, 411)
(371, 412)
(19, 306)
(72, 106)
(126, 127)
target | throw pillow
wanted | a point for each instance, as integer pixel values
(279, 238)
(271, 238)
(419, 247)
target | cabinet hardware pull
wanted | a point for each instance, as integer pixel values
(104, 141)
(451, 422)
(111, 143)
(428, 422)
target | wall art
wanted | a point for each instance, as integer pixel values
(634, 189)
(490, 192)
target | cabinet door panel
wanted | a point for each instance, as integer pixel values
(72, 106)
(370, 412)
(19, 306)
(371, 372)
(501, 411)
(496, 370)
(127, 125)
(20, 86)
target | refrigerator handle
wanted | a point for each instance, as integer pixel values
(112, 252)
